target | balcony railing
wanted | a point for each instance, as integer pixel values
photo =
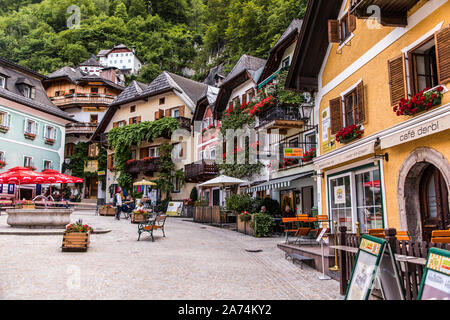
(308, 150)
(185, 123)
(144, 165)
(82, 98)
(81, 128)
(199, 171)
(289, 114)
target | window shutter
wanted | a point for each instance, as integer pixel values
(181, 111)
(396, 79)
(351, 22)
(333, 31)
(138, 119)
(167, 113)
(442, 39)
(115, 124)
(336, 115)
(156, 115)
(110, 161)
(244, 98)
(130, 120)
(361, 103)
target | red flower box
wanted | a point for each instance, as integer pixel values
(424, 100)
(29, 135)
(2, 164)
(49, 141)
(349, 133)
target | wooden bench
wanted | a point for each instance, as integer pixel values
(150, 226)
(299, 257)
(440, 236)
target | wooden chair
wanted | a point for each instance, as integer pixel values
(440, 236)
(289, 227)
(150, 226)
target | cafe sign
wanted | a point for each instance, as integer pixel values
(415, 132)
(293, 153)
(345, 156)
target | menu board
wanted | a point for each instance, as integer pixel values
(375, 268)
(174, 208)
(435, 283)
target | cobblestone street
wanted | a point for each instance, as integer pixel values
(194, 261)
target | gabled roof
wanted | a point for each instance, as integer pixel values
(312, 44)
(214, 72)
(245, 63)
(134, 90)
(91, 62)
(208, 98)
(73, 74)
(294, 26)
(18, 76)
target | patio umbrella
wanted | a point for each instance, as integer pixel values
(144, 182)
(61, 178)
(21, 175)
(222, 181)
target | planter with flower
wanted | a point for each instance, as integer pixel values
(244, 222)
(206, 130)
(76, 237)
(107, 210)
(139, 216)
(424, 100)
(2, 164)
(24, 204)
(349, 133)
(29, 135)
(4, 129)
(49, 141)
(309, 155)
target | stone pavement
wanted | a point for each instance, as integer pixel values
(194, 261)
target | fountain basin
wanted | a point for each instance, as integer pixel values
(51, 218)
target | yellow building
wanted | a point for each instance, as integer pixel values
(168, 96)
(392, 170)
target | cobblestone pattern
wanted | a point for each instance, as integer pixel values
(194, 261)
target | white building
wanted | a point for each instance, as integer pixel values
(122, 58)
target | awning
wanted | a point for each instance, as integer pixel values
(262, 84)
(279, 183)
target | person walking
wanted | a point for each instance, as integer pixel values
(118, 201)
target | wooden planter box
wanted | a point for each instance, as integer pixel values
(244, 226)
(107, 211)
(75, 241)
(28, 206)
(137, 217)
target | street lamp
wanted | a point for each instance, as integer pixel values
(306, 107)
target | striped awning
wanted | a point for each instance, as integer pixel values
(279, 183)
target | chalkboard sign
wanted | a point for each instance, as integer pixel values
(435, 283)
(174, 208)
(375, 270)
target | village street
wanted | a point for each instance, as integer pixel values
(193, 261)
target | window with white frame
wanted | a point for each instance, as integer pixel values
(153, 152)
(212, 154)
(48, 165)
(2, 156)
(27, 161)
(175, 113)
(49, 132)
(4, 119)
(286, 63)
(200, 155)
(2, 82)
(30, 126)
(177, 184)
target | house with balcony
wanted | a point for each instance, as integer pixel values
(85, 93)
(168, 96)
(32, 128)
(122, 58)
(205, 134)
(382, 102)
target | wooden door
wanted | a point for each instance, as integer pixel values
(433, 202)
(307, 199)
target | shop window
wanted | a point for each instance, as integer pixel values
(423, 67)
(368, 200)
(340, 201)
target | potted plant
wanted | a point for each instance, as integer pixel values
(2, 164)
(76, 237)
(107, 210)
(4, 129)
(424, 100)
(309, 155)
(349, 133)
(139, 216)
(49, 141)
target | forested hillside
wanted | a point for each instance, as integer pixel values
(167, 34)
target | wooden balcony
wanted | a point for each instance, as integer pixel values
(85, 99)
(200, 171)
(147, 166)
(393, 12)
(185, 123)
(81, 128)
(281, 117)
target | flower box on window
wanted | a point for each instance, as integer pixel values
(349, 133)
(49, 141)
(424, 100)
(2, 164)
(30, 167)
(29, 135)
(309, 155)
(4, 129)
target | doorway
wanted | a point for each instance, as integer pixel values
(434, 207)
(92, 187)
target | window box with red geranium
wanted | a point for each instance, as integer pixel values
(4, 129)
(309, 155)
(147, 159)
(29, 136)
(424, 100)
(2, 164)
(130, 162)
(49, 141)
(349, 133)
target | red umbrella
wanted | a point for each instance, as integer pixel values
(61, 178)
(23, 176)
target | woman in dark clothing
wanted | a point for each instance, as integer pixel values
(288, 212)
